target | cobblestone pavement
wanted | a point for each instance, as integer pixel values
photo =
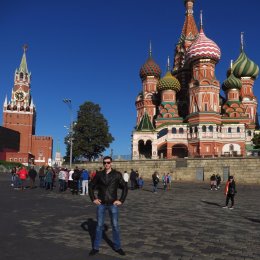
(187, 222)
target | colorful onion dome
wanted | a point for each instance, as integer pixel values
(203, 48)
(244, 67)
(150, 68)
(168, 82)
(231, 82)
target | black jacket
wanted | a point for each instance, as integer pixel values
(107, 185)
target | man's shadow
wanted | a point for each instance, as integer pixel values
(90, 226)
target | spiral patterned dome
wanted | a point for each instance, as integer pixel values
(168, 82)
(150, 68)
(231, 82)
(244, 67)
(203, 47)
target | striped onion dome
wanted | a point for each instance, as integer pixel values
(203, 48)
(150, 68)
(168, 82)
(231, 82)
(244, 67)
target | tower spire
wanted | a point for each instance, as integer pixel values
(23, 66)
(150, 49)
(201, 22)
(5, 102)
(168, 63)
(242, 41)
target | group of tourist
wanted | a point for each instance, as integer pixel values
(166, 181)
(76, 180)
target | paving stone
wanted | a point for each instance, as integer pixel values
(185, 223)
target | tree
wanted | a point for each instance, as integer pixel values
(256, 140)
(91, 132)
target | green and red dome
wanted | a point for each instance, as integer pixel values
(150, 68)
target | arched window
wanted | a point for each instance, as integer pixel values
(231, 148)
(174, 130)
(238, 129)
(229, 130)
(181, 131)
(204, 128)
(211, 128)
(249, 133)
(21, 75)
(191, 130)
(196, 129)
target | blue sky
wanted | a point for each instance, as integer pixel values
(92, 51)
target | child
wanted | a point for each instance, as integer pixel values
(140, 182)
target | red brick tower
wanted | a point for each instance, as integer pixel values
(20, 115)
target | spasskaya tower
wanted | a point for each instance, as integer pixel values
(19, 114)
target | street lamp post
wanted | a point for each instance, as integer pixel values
(68, 102)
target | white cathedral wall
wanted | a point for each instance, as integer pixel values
(236, 148)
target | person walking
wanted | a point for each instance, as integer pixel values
(168, 181)
(230, 191)
(49, 179)
(213, 182)
(42, 176)
(126, 177)
(32, 175)
(218, 178)
(107, 182)
(76, 177)
(133, 179)
(85, 178)
(155, 178)
(22, 173)
(13, 176)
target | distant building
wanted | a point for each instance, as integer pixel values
(183, 114)
(19, 114)
(58, 160)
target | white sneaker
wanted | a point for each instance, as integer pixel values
(82, 194)
(231, 208)
(225, 207)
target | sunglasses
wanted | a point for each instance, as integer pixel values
(106, 163)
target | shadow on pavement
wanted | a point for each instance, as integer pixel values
(253, 220)
(90, 226)
(211, 203)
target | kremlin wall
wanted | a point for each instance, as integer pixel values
(245, 170)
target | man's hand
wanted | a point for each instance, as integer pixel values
(97, 201)
(117, 203)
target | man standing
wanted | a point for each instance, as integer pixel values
(107, 182)
(22, 173)
(133, 179)
(230, 191)
(85, 178)
(32, 175)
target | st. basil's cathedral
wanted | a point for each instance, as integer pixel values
(183, 114)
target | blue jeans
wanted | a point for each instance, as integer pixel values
(155, 187)
(113, 213)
